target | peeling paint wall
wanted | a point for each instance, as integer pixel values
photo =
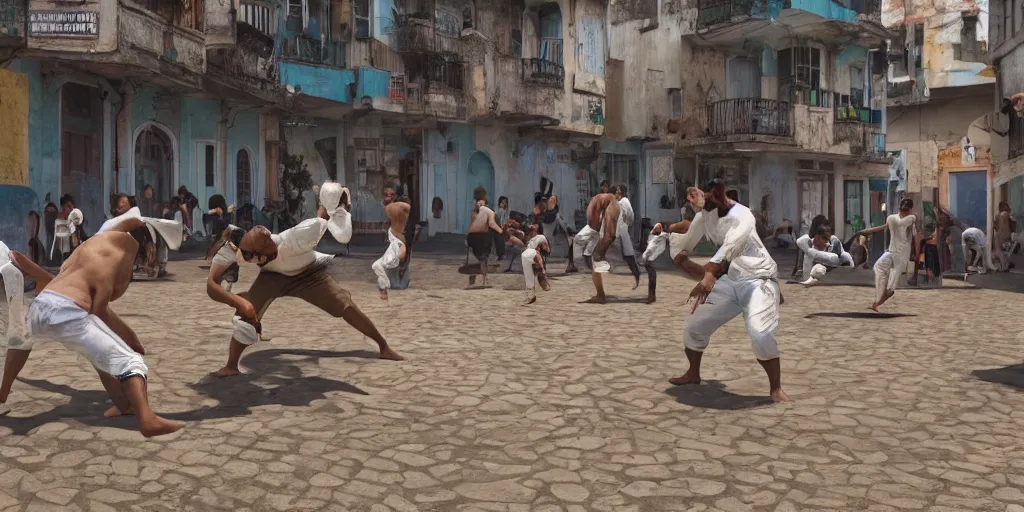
(14, 110)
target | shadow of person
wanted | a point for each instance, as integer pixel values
(711, 394)
(275, 377)
(860, 315)
(1012, 375)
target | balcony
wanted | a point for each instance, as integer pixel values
(161, 47)
(247, 67)
(310, 50)
(543, 72)
(860, 129)
(714, 12)
(416, 35)
(749, 116)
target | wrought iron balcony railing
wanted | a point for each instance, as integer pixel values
(543, 72)
(314, 51)
(713, 12)
(749, 116)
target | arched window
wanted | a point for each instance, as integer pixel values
(243, 177)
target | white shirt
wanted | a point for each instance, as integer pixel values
(974, 236)
(736, 235)
(899, 243)
(296, 249)
(626, 211)
(834, 257)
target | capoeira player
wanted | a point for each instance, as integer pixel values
(974, 240)
(546, 214)
(397, 213)
(479, 237)
(74, 308)
(892, 263)
(822, 252)
(626, 218)
(741, 278)
(597, 236)
(670, 235)
(289, 267)
(533, 267)
(163, 235)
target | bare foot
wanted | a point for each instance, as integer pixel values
(875, 307)
(114, 412)
(571, 269)
(595, 300)
(686, 379)
(531, 300)
(226, 372)
(637, 283)
(391, 355)
(651, 299)
(384, 295)
(159, 426)
(780, 396)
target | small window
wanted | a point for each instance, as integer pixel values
(362, 15)
(516, 36)
(968, 49)
(295, 8)
(675, 103)
(805, 164)
(210, 157)
(857, 86)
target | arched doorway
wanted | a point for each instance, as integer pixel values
(154, 162)
(480, 173)
(243, 177)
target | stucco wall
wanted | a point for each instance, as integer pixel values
(108, 28)
(14, 110)
(775, 176)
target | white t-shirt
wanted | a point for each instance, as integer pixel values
(736, 235)
(899, 241)
(626, 211)
(296, 249)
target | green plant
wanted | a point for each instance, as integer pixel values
(295, 179)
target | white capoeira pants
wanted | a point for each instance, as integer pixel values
(527, 260)
(390, 260)
(587, 238)
(14, 286)
(54, 315)
(757, 299)
(817, 271)
(888, 270)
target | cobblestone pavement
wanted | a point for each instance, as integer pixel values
(555, 407)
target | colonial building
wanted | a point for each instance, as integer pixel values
(1007, 53)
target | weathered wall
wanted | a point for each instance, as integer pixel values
(775, 176)
(17, 201)
(320, 81)
(14, 110)
(105, 41)
(925, 129)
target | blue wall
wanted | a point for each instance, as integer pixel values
(199, 120)
(18, 201)
(320, 81)
(826, 9)
(375, 83)
(43, 128)
(245, 133)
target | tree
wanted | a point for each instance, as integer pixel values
(295, 179)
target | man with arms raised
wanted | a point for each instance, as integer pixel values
(741, 278)
(289, 267)
(74, 308)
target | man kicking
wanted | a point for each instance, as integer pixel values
(546, 214)
(822, 252)
(289, 267)
(533, 267)
(397, 213)
(74, 309)
(749, 286)
(892, 263)
(597, 236)
(479, 237)
(973, 240)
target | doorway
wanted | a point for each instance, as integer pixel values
(243, 178)
(154, 163)
(480, 173)
(968, 192)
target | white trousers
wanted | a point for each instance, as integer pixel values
(758, 301)
(622, 233)
(982, 259)
(527, 258)
(587, 238)
(54, 315)
(888, 270)
(14, 285)
(390, 260)
(817, 271)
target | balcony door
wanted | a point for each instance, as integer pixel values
(744, 78)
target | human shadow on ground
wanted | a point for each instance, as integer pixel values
(711, 394)
(860, 315)
(1012, 375)
(273, 378)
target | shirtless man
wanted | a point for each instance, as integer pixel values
(892, 263)
(479, 237)
(397, 213)
(1001, 235)
(74, 308)
(289, 267)
(597, 236)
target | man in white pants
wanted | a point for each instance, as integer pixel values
(822, 252)
(534, 272)
(397, 213)
(741, 278)
(74, 309)
(973, 239)
(597, 236)
(892, 263)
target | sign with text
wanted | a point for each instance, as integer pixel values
(83, 24)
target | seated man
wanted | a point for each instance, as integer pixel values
(819, 258)
(73, 308)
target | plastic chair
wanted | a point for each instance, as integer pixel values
(62, 232)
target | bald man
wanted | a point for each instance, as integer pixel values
(289, 267)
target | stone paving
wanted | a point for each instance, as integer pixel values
(555, 407)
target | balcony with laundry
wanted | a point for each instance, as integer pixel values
(732, 22)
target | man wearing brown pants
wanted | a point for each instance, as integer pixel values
(289, 267)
